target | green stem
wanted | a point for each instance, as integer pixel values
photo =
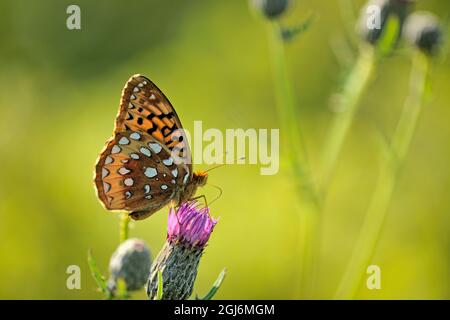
(293, 145)
(413, 106)
(381, 198)
(354, 89)
(124, 223)
(292, 137)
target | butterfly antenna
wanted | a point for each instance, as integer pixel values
(220, 193)
(215, 167)
(221, 165)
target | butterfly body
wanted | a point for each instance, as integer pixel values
(146, 164)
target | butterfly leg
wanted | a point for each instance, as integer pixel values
(200, 197)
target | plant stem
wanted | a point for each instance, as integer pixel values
(367, 242)
(124, 222)
(293, 145)
(292, 138)
(355, 87)
(413, 106)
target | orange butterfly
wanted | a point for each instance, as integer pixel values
(147, 163)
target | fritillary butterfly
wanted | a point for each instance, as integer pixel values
(146, 164)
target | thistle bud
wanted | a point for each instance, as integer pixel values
(131, 262)
(375, 14)
(271, 8)
(423, 31)
(188, 231)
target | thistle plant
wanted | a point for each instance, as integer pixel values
(130, 269)
(130, 263)
(272, 9)
(188, 231)
(388, 8)
(376, 43)
(423, 32)
(293, 142)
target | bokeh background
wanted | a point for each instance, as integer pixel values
(59, 94)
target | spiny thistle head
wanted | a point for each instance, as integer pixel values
(189, 229)
(371, 25)
(422, 30)
(131, 262)
(271, 9)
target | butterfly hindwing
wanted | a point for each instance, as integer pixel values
(135, 172)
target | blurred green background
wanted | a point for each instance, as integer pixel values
(59, 94)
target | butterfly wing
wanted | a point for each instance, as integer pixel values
(144, 108)
(137, 171)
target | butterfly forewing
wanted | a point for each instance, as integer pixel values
(146, 109)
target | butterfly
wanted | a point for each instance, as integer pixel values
(147, 163)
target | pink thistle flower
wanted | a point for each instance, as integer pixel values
(188, 231)
(190, 225)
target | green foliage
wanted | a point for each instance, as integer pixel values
(212, 292)
(159, 291)
(100, 280)
(290, 33)
(121, 290)
(389, 37)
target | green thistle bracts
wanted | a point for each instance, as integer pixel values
(178, 264)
